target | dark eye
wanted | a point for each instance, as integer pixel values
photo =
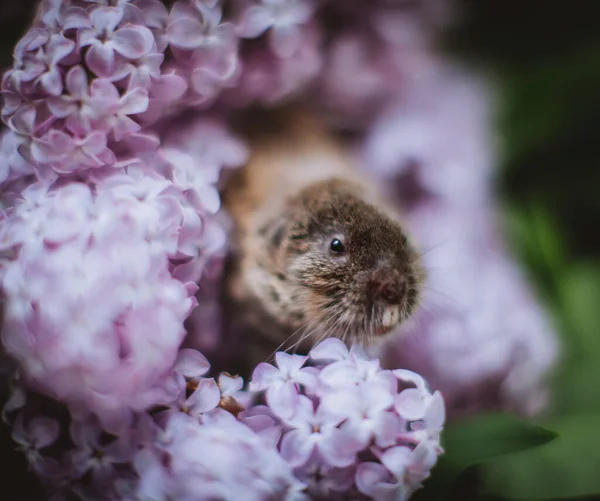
(336, 246)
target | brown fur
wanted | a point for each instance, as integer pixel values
(298, 192)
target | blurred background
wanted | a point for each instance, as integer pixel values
(547, 58)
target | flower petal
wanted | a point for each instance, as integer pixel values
(134, 102)
(59, 48)
(77, 82)
(412, 404)
(370, 474)
(205, 398)
(396, 460)
(106, 18)
(85, 434)
(285, 41)
(339, 448)
(101, 60)
(329, 349)
(296, 447)
(43, 432)
(283, 399)
(124, 127)
(104, 94)
(289, 364)
(191, 363)
(133, 42)
(186, 33)
(263, 376)
(51, 82)
(255, 21)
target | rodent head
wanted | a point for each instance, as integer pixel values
(348, 267)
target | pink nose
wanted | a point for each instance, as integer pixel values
(388, 286)
(392, 292)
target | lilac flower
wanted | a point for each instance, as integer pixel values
(58, 17)
(415, 132)
(283, 18)
(107, 41)
(335, 421)
(203, 46)
(12, 163)
(38, 434)
(76, 106)
(156, 18)
(197, 24)
(408, 468)
(239, 462)
(191, 363)
(205, 397)
(317, 429)
(144, 70)
(91, 455)
(117, 108)
(68, 154)
(280, 383)
(117, 290)
(16, 400)
(50, 80)
(28, 63)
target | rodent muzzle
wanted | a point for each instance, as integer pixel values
(387, 286)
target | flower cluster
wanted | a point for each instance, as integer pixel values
(339, 428)
(346, 426)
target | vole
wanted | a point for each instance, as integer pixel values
(316, 250)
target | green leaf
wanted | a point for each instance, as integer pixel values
(470, 441)
(580, 297)
(476, 439)
(568, 467)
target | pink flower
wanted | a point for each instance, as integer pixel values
(68, 154)
(156, 18)
(38, 434)
(106, 40)
(191, 363)
(283, 18)
(57, 49)
(401, 472)
(76, 106)
(338, 422)
(203, 399)
(117, 108)
(196, 24)
(317, 429)
(98, 458)
(280, 383)
(239, 462)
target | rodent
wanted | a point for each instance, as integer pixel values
(316, 251)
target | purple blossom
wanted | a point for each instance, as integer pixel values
(117, 108)
(76, 106)
(317, 429)
(336, 420)
(50, 80)
(107, 41)
(141, 327)
(280, 383)
(205, 397)
(239, 461)
(68, 154)
(91, 455)
(283, 18)
(38, 434)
